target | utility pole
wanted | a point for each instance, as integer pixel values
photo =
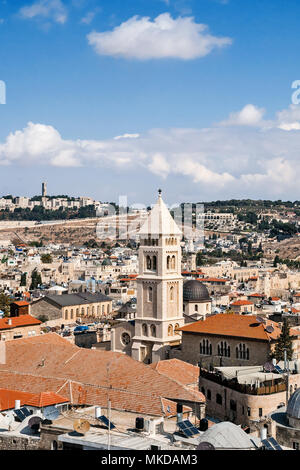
(287, 375)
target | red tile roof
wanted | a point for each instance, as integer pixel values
(256, 295)
(49, 362)
(181, 371)
(212, 279)
(238, 303)
(39, 400)
(230, 324)
(21, 303)
(17, 322)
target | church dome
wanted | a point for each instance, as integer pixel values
(293, 408)
(195, 291)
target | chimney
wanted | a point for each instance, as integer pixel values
(17, 404)
(9, 321)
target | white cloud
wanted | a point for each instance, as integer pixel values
(219, 160)
(164, 37)
(88, 18)
(250, 115)
(127, 136)
(48, 9)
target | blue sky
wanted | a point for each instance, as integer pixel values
(205, 113)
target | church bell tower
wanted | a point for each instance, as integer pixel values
(159, 286)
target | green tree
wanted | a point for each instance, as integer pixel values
(23, 279)
(46, 258)
(35, 280)
(5, 302)
(284, 342)
(276, 261)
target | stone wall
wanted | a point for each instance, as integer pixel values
(41, 307)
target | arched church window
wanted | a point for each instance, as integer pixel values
(150, 294)
(153, 330)
(145, 329)
(66, 315)
(173, 262)
(206, 347)
(170, 330)
(125, 339)
(172, 293)
(168, 262)
(154, 263)
(196, 308)
(148, 261)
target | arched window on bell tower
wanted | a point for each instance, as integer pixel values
(150, 294)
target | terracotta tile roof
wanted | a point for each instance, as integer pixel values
(241, 326)
(238, 303)
(39, 400)
(275, 298)
(181, 371)
(212, 279)
(81, 375)
(256, 295)
(16, 322)
(21, 303)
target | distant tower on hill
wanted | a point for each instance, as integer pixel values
(44, 189)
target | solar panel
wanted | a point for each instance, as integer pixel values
(51, 412)
(267, 444)
(275, 443)
(106, 421)
(278, 369)
(20, 415)
(25, 411)
(188, 428)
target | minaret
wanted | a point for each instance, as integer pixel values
(159, 286)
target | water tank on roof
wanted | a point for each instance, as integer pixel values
(139, 424)
(203, 424)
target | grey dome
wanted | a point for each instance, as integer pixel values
(195, 291)
(293, 408)
(227, 435)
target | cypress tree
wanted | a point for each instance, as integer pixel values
(284, 342)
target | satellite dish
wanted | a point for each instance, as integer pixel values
(51, 413)
(269, 329)
(81, 426)
(34, 423)
(205, 446)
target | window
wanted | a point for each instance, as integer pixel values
(205, 347)
(260, 412)
(144, 330)
(125, 339)
(170, 330)
(148, 262)
(66, 315)
(223, 349)
(173, 262)
(296, 445)
(233, 405)
(153, 330)
(219, 399)
(150, 294)
(154, 263)
(208, 394)
(249, 411)
(196, 308)
(168, 262)
(203, 390)
(242, 352)
(171, 293)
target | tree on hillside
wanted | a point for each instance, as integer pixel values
(36, 280)
(5, 304)
(284, 342)
(23, 279)
(46, 258)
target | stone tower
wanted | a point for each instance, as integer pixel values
(159, 287)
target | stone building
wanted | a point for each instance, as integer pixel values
(230, 340)
(72, 306)
(285, 423)
(19, 327)
(196, 300)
